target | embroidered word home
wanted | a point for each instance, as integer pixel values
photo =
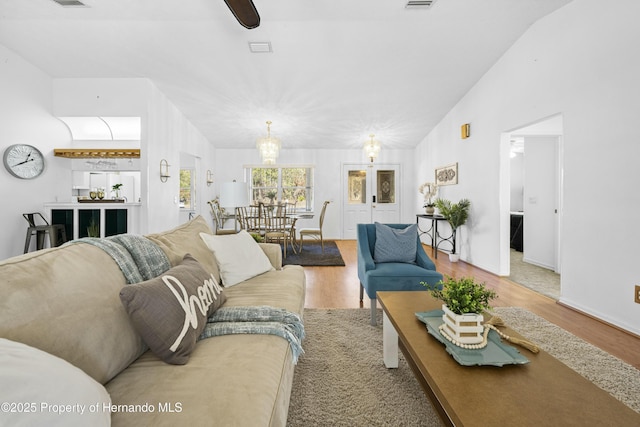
(207, 294)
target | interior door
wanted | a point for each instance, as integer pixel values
(541, 201)
(370, 194)
(385, 206)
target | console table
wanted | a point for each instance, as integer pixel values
(541, 393)
(434, 235)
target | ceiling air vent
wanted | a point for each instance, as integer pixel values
(70, 3)
(260, 47)
(419, 4)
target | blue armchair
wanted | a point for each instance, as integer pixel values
(390, 276)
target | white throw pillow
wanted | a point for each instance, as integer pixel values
(40, 389)
(239, 257)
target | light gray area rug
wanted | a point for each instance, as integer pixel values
(341, 380)
(608, 372)
(539, 279)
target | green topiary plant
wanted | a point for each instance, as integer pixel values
(456, 214)
(463, 295)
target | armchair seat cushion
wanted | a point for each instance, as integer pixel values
(397, 276)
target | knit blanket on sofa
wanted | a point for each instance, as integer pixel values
(139, 258)
(257, 320)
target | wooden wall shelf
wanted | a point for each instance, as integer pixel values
(92, 153)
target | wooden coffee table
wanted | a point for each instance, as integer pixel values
(542, 392)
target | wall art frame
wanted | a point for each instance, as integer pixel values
(447, 175)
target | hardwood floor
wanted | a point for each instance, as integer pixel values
(338, 287)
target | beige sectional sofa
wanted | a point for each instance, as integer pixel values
(65, 302)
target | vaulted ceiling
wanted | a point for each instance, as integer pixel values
(338, 71)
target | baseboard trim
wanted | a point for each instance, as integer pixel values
(604, 322)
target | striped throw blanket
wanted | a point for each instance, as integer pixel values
(139, 258)
(258, 320)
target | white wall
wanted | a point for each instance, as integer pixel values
(166, 133)
(169, 134)
(29, 104)
(25, 118)
(327, 175)
(578, 62)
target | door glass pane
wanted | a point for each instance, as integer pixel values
(386, 185)
(357, 187)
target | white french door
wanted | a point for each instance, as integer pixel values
(370, 194)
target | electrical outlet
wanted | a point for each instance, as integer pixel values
(637, 296)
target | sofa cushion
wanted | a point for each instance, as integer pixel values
(395, 244)
(65, 301)
(231, 380)
(184, 239)
(238, 255)
(171, 310)
(41, 384)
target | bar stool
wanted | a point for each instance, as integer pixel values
(41, 230)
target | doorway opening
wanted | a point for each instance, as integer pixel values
(534, 157)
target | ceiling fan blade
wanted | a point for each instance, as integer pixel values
(245, 12)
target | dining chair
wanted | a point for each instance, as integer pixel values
(277, 227)
(292, 218)
(251, 218)
(218, 218)
(316, 233)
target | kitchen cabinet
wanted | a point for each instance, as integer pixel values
(98, 219)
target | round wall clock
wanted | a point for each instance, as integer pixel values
(23, 161)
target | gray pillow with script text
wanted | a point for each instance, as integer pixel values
(170, 311)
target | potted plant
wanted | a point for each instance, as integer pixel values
(464, 301)
(428, 191)
(116, 189)
(93, 230)
(456, 215)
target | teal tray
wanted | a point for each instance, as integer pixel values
(496, 353)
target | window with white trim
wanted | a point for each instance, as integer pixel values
(276, 184)
(187, 189)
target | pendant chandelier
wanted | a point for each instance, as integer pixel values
(269, 147)
(372, 148)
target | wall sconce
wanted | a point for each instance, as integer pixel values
(465, 131)
(164, 170)
(209, 178)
